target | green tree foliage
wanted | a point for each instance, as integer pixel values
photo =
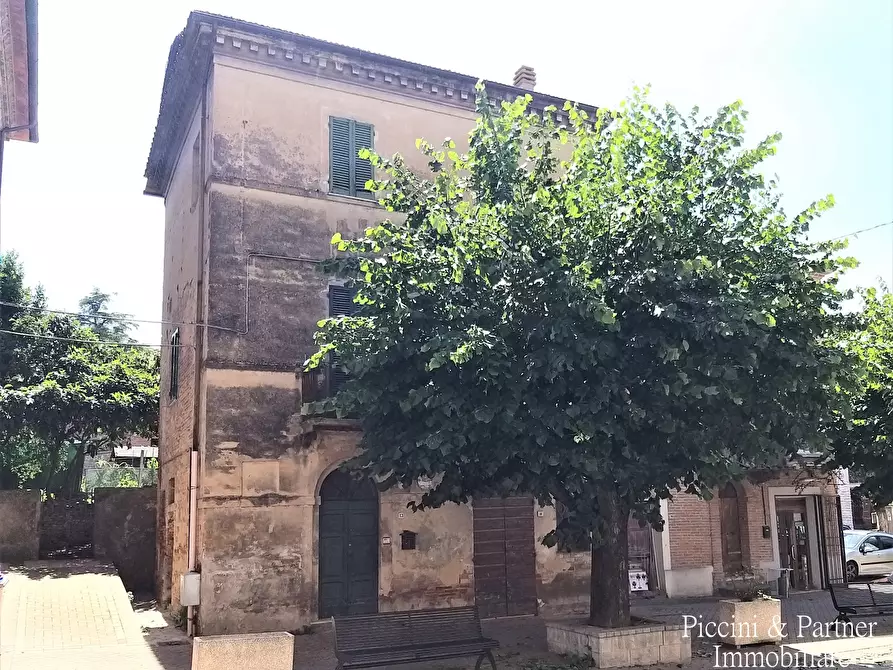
(21, 455)
(864, 441)
(601, 314)
(107, 325)
(63, 389)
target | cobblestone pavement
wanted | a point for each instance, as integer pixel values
(74, 615)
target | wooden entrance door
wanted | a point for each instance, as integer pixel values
(504, 556)
(348, 546)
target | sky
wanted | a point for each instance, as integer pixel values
(819, 71)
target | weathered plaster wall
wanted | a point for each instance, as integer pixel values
(439, 571)
(124, 533)
(259, 520)
(268, 196)
(19, 526)
(270, 159)
(562, 577)
(181, 279)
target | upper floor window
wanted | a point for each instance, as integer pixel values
(340, 304)
(349, 172)
(174, 388)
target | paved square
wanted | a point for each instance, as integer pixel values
(74, 615)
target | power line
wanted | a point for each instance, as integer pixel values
(84, 341)
(109, 317)
(856, 232)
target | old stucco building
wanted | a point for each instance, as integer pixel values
(254, 157)
(18, 72)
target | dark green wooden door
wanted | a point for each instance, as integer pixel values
(348, 546)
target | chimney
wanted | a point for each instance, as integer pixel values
(525, 77)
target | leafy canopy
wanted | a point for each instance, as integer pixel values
(94, 313)
(640, 315)
(864, 440)
(600, 313)
(60, 387)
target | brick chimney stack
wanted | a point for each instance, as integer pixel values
(525, 77)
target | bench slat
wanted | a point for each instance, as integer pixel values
(374, 640)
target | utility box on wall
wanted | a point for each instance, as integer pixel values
(190, 584)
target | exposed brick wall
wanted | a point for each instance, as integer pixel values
(181, 279)
(695, 525)
(691, 528)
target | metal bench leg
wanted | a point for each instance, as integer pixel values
(842, 618)
(488, 656)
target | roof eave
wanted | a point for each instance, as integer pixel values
(31, 37)
(187, 44)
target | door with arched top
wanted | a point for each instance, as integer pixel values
(348, 546)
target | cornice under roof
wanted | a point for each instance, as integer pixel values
(208, 34)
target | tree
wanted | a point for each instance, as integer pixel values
(863, 441)
(73, 391)
(16, 299)
(21, 455)
(107, 325)
(63, 388)
(637, 319)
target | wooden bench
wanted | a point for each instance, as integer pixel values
(376, 640)
(861, 600)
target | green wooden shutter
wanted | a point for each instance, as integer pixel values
(341, 300)
(363, 135)
(341, 158)
(340, 304)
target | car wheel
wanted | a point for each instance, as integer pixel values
(852, 570)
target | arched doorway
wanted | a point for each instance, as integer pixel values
(348, 546)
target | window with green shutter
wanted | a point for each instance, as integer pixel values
(340, 304)
(348, 173)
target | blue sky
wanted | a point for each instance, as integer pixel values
(819, 71)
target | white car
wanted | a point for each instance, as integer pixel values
(868, 552)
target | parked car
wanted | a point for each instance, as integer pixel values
(868, 552)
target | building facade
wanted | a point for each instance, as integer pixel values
(255, 156)
(18, 72)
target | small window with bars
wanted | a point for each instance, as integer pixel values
(340, 304)
(348, 172)
(174, 389)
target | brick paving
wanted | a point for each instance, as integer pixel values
(523, 639)
(73, 615)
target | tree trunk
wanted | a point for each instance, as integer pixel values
(53, 458)
(609, 581)
(75, 473)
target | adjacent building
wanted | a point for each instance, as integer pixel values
(18, 72)
(255, 156)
